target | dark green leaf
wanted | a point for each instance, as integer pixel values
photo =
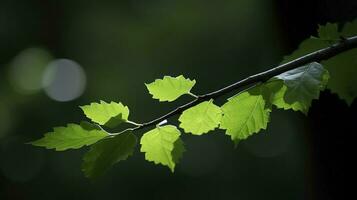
(103, 155)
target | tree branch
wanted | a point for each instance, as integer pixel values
(317, 56)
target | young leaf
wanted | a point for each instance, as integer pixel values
(303, 84)
(201, 118)
(170, 88)
(243, 115)
(104, 154)
(108, 114)
(73, 136)
(161, 146)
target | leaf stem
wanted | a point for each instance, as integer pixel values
(193, 95)
(134, 123)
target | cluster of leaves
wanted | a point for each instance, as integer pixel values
(241, 116)
(343, 66)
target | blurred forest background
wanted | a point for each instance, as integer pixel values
(57, 55)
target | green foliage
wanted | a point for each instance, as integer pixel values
(241, 116)
(329, 32)
(277, 97)
(162, 145)
(170, 88)
(244, 115)
(108, 114)
(302, 85)
(73, 136)
(343, 82)
(106, 153)
(349, 29)
(307, 46)
(201, 118)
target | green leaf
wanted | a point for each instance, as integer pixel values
(201, 118)
(303, 84)
(307, 46)
(160, 146)
(311, 44)
(278, 92)
(343, 68)
(243, 115)
(349, 29)
(73, 136)
(104, 154)
(170, 88)
(108, 114)
(343, 81)
(179, 149)
(329, 32)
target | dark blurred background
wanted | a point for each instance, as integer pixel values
(57, 55)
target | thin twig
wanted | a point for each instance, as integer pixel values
(317, 56)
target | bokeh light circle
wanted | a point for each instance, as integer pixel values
(64, 80)
(26, 69)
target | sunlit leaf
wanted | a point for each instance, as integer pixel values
(73, 136)
(160, 146)
(244, 115)
(201, 118)
(108, 114)
(170, 88)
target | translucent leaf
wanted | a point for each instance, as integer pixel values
(108, 114)
(201, 118)
(302, 85)
(161, 146)
(170, 88)
(104, 154)
(243, 115)
(73, 136)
